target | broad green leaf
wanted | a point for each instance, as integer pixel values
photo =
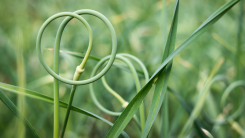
(201, 99)
(128, 113)
(161, 83)
(17, 113)
(42, 97)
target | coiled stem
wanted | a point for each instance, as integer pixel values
(136, 79)
(80, 68)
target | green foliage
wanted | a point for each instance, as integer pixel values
(205, 105)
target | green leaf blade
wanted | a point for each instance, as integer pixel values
(161, 84)
(42, 97)
(17, 113)
(127, 114)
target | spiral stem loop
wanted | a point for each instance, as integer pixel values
(80, 68)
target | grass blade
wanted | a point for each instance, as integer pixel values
(161, 83)
(209, 22)
(17, 113)
(42, 97)
(128, 113)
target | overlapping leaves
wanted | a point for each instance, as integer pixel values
(133, 106)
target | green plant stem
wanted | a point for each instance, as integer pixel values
(115, 94)
(164, 114)
(73, 89)
(41, 97)
(80, 55)
(124, 104)
(21, 82)
(165, 119)
(79, 70)
(55, 72)
(138, 86)
(77, 74)
(56, 109)
(70, 16)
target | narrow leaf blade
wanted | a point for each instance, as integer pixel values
(42, 97)
(128, 113)
(17, 113)
(161, 84)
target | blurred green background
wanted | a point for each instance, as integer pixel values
(141, 28)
